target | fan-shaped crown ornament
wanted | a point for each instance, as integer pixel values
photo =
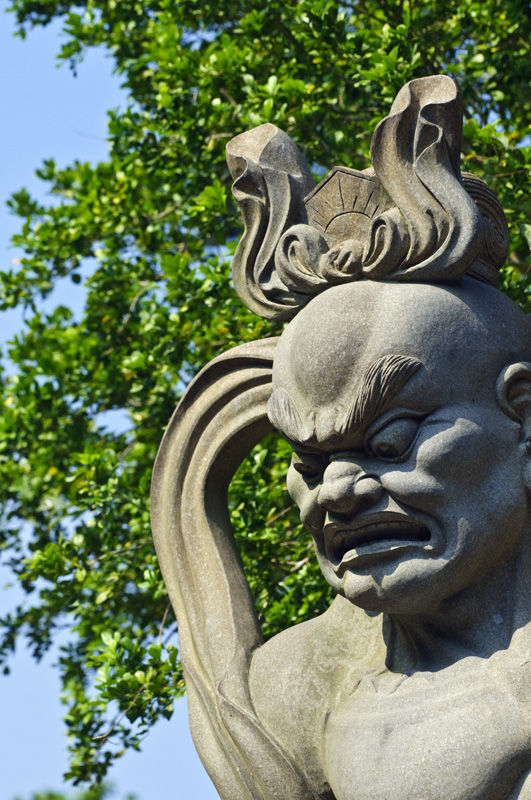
(413, 216)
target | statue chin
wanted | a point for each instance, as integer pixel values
(403, 384)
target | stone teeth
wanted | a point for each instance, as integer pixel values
(349, 538)
(376, 526)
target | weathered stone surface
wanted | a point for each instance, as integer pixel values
(403, 383)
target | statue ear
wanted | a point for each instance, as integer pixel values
(513, 389)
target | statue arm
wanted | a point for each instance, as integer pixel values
(220, 418)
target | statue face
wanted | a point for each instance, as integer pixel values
(407, 471)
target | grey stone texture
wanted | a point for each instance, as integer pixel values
(403, 384)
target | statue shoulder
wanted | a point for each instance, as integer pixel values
(298, 676)
(323, 650)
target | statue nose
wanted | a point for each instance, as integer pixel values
(349, 492)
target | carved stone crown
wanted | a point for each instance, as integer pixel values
(413, 216)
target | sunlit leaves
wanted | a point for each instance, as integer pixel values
(147, 238)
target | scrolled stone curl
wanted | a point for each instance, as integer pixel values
(412, 217)
(496, 243)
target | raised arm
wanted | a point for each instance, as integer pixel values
(219, 420)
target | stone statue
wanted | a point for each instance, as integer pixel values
(403, 383)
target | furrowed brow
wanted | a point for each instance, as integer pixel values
(381, 381)
(283, 414)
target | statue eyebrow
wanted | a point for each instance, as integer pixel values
(283, 414)
(380, 382)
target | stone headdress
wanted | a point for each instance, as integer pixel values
(413, 217)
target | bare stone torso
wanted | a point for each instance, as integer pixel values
(461, 734)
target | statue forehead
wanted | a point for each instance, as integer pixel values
(461, 332)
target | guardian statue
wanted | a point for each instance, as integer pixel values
(403, 384)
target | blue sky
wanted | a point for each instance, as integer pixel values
(49, 113)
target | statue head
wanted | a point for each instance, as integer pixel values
(402, 379)
(409, 411)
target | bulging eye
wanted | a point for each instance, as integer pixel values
(395, 438)
(308, 465)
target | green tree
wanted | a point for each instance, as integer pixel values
(100, 792)
(151, 232)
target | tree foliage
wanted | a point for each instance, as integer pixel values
(100, 791)
(150, 233)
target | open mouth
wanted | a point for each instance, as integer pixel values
(345, 544)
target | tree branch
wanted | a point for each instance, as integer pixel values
(105, 736)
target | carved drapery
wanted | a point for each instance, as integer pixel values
(220, 418)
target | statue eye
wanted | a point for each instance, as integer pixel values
(395, 438)
(308, 465)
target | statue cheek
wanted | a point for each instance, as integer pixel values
(472, 456)
(441, 463)
(295, 486)
(419, 483)
(305, 497)
(417, 487)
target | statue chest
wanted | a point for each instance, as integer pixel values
(430, 739)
